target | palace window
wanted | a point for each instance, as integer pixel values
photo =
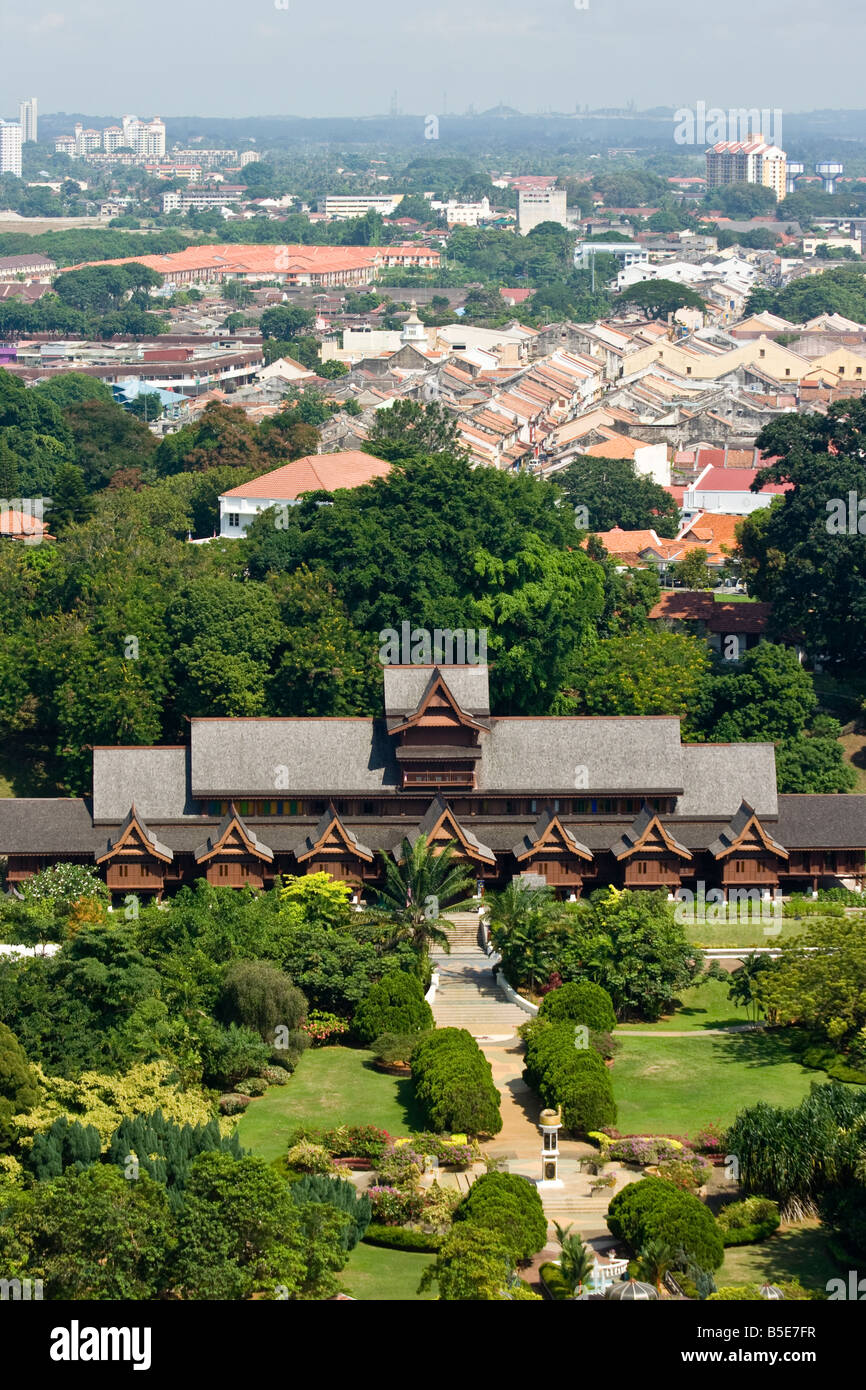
(641, 866)
(222, 871)
(123, 871)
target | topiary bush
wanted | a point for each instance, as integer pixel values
(392, 1048)
(580, 1002)
(511, 1206)
(554, 1283)
(396, 1004)
(402, 1238)
(653, 1209)
(253, 1086)
(454, 1084)
(19, 1086)
(575, 1078)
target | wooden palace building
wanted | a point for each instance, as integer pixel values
(581, 802)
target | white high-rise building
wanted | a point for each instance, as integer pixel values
(10, 148)
(144, 137)
(537, 205)
(28, 119)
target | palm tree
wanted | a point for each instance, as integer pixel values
(654, 1261)
(745, 984)
(523, 926)
(576, 1261)
(418, 886)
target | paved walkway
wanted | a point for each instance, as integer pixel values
(688, 1032)
(468, 997)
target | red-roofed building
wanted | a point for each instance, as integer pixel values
(286, 485)
(720, 489)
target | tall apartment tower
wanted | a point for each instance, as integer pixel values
(537, 205)
(10, 148)
(752, 160)
(28, 119)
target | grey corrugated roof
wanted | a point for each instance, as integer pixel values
(405, 686)
(821, 822)
(258, 757)
(545, 754)
(154, 778)
(718, 776)
(48, 826)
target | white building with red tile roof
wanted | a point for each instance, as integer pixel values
(286, 485)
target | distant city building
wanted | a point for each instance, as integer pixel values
(201, 198)
(459, 214)
(747, 161)
(10, 148)
(249, 157)
(536, 205)
(357, 205)
(628, 253)
(28, 119)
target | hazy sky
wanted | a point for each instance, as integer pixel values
(343, 57)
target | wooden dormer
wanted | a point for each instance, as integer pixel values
(438, 743)
(135, 860)
(333, 849)
(747, 853)
(234, 856)
(441, 827)
(650, 855)
(550, 849)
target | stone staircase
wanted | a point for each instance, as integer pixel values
(468, 996)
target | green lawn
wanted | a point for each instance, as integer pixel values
(751, 934)
(332, 1086)
(703, 1006)
(676, 1085)
(385, 1275)
(795, 1252)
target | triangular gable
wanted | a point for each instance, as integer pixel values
(438, 705)
(232, 835)
(549, 835)
(134, 835)
(744, 833)
(441, 825)
(331, 834)
(647, 835)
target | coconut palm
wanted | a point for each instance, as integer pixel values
(418, 885)
(576, 1261)
(523, 927)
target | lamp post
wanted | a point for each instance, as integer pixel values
(550, 1123)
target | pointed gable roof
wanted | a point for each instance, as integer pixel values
(437, 705)
(647, 833)
(548, 833)
(232, 828)
(329, 830)
(439, 817)
(745, 831)
(134, 833)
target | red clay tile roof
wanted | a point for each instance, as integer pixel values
(350, 468)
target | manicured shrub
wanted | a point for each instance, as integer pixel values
(394, 1206)
(729, 1293)
(688, 1173)
(309, 1158)
(232, 1103)
(581, 1001)
(337, 1192)
(347, 1141)
(509, 1205)
(322, 1027)
(253, 1086)
(653, 1209)
(396, 1004)
(454, 1084)
(744, 1223)
(231, 1054)
(390, 1048)
(575, 1078)
(644, 1150)
(400, 1166)
(276, 1076)
(402, 1238)
(554, 1283)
